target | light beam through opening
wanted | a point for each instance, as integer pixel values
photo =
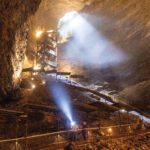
(62, 99)
(87, 45)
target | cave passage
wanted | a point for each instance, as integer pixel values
(75, 74)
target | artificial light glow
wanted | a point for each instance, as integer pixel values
(72, 123)
(62, 99)
(67, 17)
(32, 79)
(33, 86)
(34, 73)
(64, 23)
(50, 33)
(99, 50)
(37, 67)
(110, 130)
(123, 110)
(63, 39)
(38, 34)
(16, 143)
(43, 82)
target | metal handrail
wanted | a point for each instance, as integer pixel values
(61, 132)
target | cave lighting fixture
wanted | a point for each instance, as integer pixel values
(43, 82)
(74, 29)
(63, 100)
(72, 123)
(110, 130)
(36, 67)
(38, 33)
(33, 86)
(123, 110)
(34, 73)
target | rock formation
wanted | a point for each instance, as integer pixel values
(13, 36)
(124, 23)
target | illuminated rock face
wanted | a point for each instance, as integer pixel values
(51, 11)
(13, 34)
(19, 54)
(125, 23)
(47, 17)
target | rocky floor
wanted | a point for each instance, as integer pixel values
(127, 143)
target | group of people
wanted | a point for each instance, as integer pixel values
(73, 135)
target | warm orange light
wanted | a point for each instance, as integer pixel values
(27, 62)
(43, 82)
(123, 110)
(50, 33)
(36, 67)
(63, 40)
(33, 86)
(66, 68)
(39, 33)
(110, 130)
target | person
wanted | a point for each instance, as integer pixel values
(84, 125)
(74, 132)
(69, 147)
(72, 136)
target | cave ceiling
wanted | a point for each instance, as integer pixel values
(126, 24)
(50, 11)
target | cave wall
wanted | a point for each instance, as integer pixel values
(50, 12)
(18, 20)
(13, 33)
(47, 18)
(127, 25)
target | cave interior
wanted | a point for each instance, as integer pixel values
(66, 64)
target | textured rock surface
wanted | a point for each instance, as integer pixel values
(127, 24)
(138, 95)
(13, 33)
(13, 16)
(50, 11)
(138, 142)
